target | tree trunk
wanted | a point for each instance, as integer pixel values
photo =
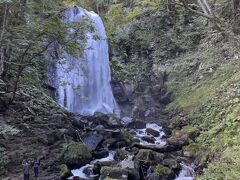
(205, 7)
(15, 86)
(235, 6)
(1, 41)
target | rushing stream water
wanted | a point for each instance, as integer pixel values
(86, 171)
(84, 83)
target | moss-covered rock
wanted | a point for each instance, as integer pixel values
(114, 172)
(171, 163)
(121, 154)
(162, 172)
(76, 154)
(137, 124)
(149, 157)
(64, 171)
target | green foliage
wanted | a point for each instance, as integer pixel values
(128, 71)
(226, 168)
(161, 170)
(206, 85)
(64, 171)
(144, 36)
(4, 160)
(6, 129)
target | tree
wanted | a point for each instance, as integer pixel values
(28, 29)
(203, 8)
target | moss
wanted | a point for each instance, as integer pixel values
(121, 154)
(161, 170)
(190, 97)
(128, 137)
(64, 171)
(76, 154)
(113, 172)
(190, 130)
(226, 167)
(4, 160)
(6, 129)
(149, 157)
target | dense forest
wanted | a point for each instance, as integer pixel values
(120, 89)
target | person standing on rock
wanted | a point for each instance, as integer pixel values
(36, 164)
(26, 169)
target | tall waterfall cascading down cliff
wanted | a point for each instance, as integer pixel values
(85, 88)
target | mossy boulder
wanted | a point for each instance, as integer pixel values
(190, 132)
(149, 157)
(64, 171)
(121, 154)
(114, 173)
(162, 172)
(76, 154)
(171, 163)
(137, 124)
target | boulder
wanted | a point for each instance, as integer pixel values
(76, 154)
(152, 132)
(99, 127)
(161, 173)
(148, 157)
(119, 144)
(77, 123)
(92, 140)
(101, 117)
(119, 92)
(100, 154)
(64, 171)
(120, 155)
(171, 163)
(137, 124)
(114, 173)
(148, 139)
(114, 123)
(97, 168)
(109, 142)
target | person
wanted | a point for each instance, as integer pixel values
(26, 169)
(36, 164)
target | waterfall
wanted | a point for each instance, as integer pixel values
(84, 83)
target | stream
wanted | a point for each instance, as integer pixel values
(86, 171)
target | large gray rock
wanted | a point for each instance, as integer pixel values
(137, 124)
(152, 132)
(119, 92)
(92, 140)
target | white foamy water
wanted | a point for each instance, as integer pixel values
(187, 172)
(127, 162)
(84, 82)
(80, 172)
(158, 141)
